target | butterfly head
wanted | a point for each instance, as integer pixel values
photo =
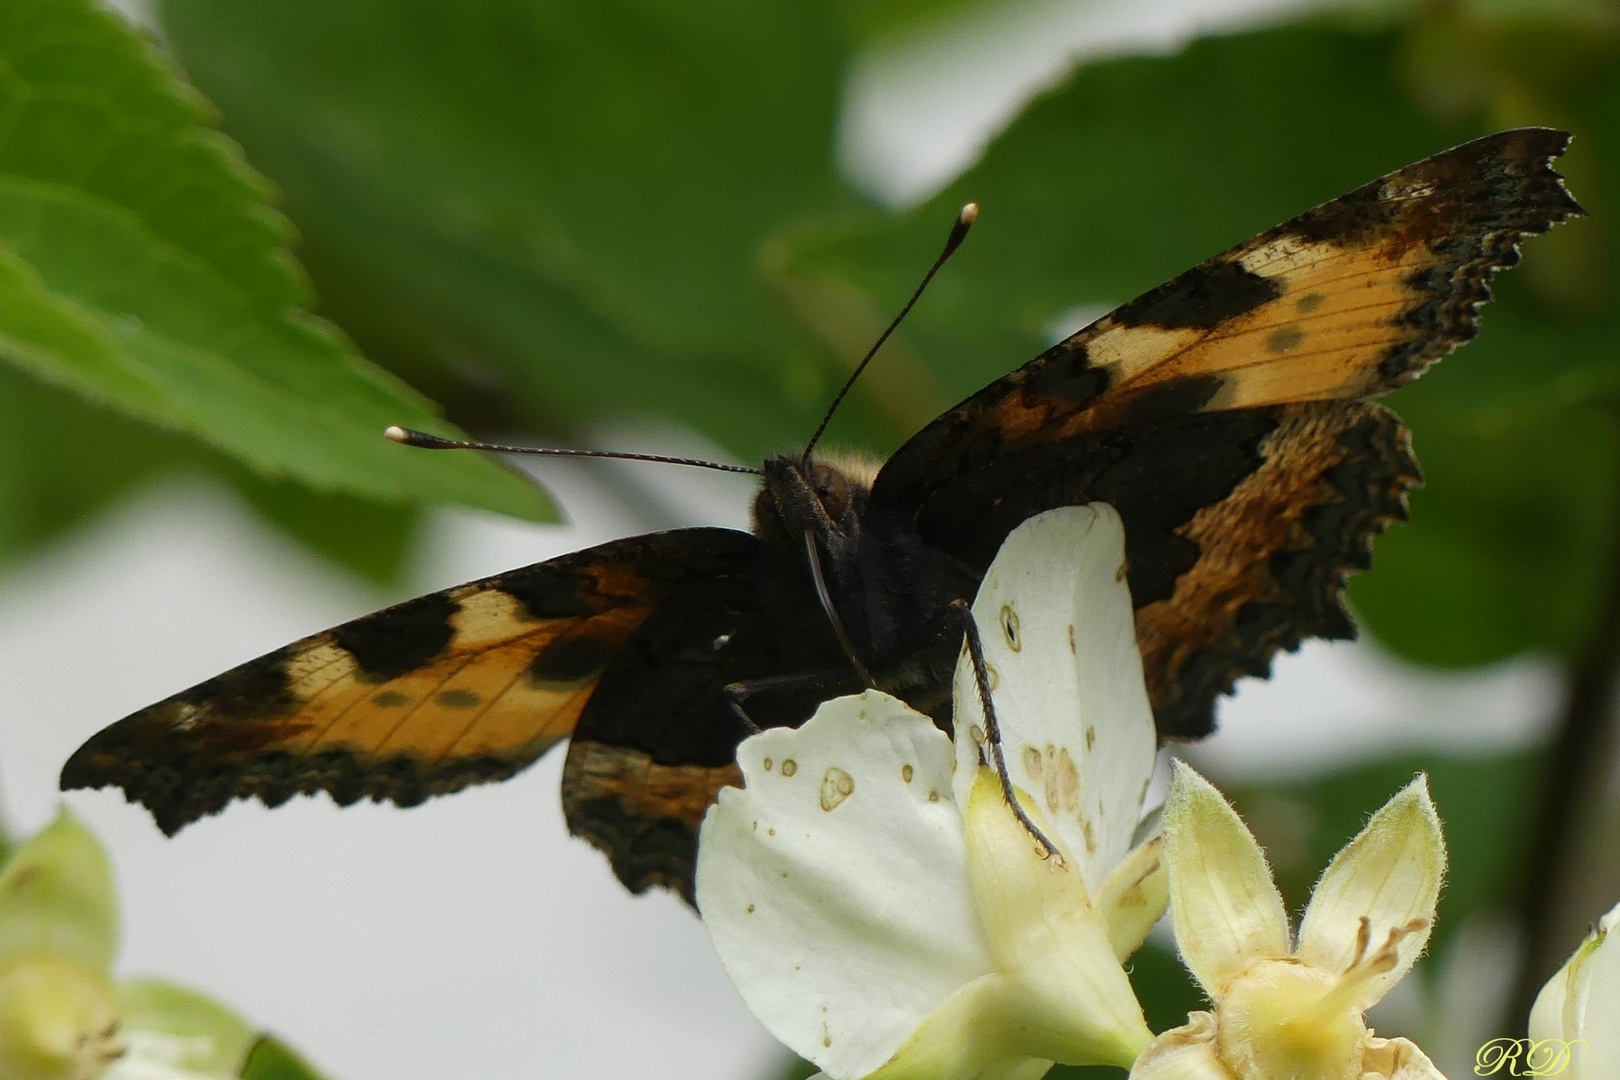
(818, 497)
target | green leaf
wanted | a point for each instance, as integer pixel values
(1509, 538)
(57, 898)
(885, 21)
(272, 1059)
(141, 267)
(373, 539)
(215, 1040)
(573, 200)
(62, 459)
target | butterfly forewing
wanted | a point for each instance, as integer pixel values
(1220, 413)
(459, 687)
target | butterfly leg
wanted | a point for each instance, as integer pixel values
(829, 682)
(992, 727)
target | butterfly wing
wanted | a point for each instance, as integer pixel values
(1222, 414)
(659, 739)
(460, 687)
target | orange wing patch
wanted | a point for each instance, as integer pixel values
(1348, 300)
(1339, 312)
(1273, 555)
(459, 687)
(643, 815)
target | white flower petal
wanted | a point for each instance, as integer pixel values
(1551, 1017)
(174, 1026)
(1224, 905)
(58, 1018)
(1134, 896)
(1072, 1001)
(1390, 875)
(57, 896)
(968, 1035)
(1059, 633)
(949, 1046)
(835, 884)
(1591, 1011)
(1397, 1059)
(1183, 1053)
(1599, 1056)
(153, 1055)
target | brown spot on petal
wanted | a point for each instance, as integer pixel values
(1062, 781)
(1009, 628)
(836, 786)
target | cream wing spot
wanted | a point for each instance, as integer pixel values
(1129, 351)
(485, 617)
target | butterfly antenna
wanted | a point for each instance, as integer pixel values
(959, 231)
(411, 437)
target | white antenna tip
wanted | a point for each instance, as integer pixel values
(396, 433)
(969, 214)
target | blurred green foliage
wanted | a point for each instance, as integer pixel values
(539, 215)
(143, 270)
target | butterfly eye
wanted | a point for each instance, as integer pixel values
(831, 488)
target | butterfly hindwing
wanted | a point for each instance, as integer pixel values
(458, 687)
(659, 739)
(1221, 414)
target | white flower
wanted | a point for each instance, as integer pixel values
(870, 891)
(62, 1016)
(1577, 1014)
(1284, 1011)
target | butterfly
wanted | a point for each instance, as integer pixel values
(1224, 414)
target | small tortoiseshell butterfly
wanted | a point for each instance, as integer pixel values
(1223, 414)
